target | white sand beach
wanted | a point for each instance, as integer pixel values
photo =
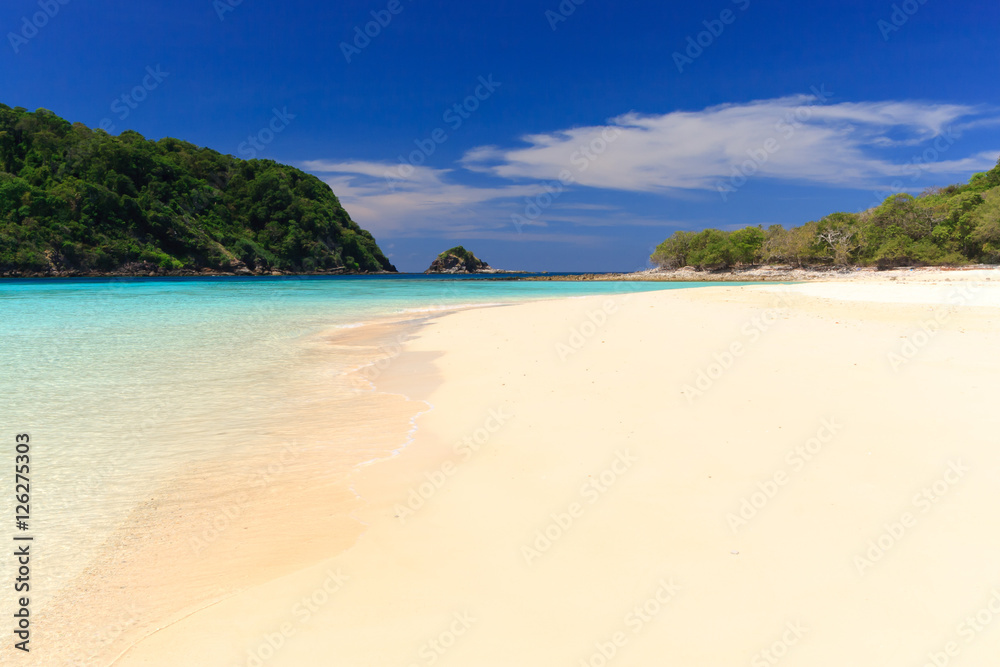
(723, 476)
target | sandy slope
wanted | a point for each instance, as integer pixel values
(723, 476)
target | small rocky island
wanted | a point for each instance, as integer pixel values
(459, 260)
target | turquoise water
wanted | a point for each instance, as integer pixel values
(124, 382)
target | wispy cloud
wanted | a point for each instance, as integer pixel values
(829, 144)
(681, 154)
(424, 199)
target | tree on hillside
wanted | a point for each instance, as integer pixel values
(952, 225)
(77, 199)
(673, 253)
(839, 237)
(986, 226)
(710, 249)
(747, 244)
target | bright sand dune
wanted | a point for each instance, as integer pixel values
(829, 498)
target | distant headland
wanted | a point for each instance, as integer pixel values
(953, 226)
(80, 202)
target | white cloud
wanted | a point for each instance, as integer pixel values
(861, 145)
(791, 138)
(388, 200)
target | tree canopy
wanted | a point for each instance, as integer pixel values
(959, 224)
(78, 200)
(457, 259)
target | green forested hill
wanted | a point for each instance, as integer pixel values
(79, 201)
(959, 224)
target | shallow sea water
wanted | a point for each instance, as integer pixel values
(127, 384)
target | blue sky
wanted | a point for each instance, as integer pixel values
(585, 133)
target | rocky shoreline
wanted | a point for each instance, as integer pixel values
(145, 270)
(756, 274)
(780, 274)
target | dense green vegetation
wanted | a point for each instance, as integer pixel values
(78, 200)
(959, 224)
(461, 253)
(457, 259)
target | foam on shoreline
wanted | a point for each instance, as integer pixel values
(237, 519)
